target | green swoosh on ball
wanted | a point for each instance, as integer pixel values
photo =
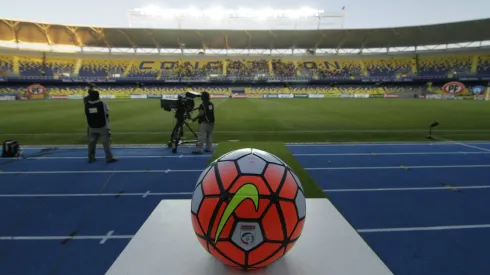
(247, 191)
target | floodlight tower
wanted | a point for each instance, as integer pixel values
(236, 19)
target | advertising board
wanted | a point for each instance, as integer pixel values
(59, 97)
(220, 96)
(448, 96)
(138, 96)
(7, 98)
(453, 87)
(433, 96)
(169, 96)
(285, 96)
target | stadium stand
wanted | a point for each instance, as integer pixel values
(65, 90)
(483, 65)
(310, 72)
(436, 66)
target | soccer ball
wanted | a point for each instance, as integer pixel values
(248, 209)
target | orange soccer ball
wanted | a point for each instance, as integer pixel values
(248, 209)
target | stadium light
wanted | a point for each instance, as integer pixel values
(241, 12)
(433, 125)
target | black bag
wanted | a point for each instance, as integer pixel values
(11, 149)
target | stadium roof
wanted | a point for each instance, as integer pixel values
(31, 32)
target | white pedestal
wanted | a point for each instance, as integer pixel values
(166, 244)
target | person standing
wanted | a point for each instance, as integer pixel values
(85, 100)
(97, 114)
(206, 124)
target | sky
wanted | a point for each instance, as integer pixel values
(359, 13)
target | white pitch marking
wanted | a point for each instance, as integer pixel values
(388, 154)
(109, 234)
(147, 193)
(100, 171)
(51, 238)
(398, 167)
(405, 189)
(428, 228)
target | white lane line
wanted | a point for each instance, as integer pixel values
(111, 237)
(53, 238)
(404, 189)
(148, 193)
(299, 155)
(114, 146)
(353, 144)
(100, 171)
(109, 234)
(200, 170)
(292, 144)
(464, 144)
(374, 144)
(263, 132)
(120, 157)
(398, 167)
(427, 228)
(143, 195)
(389, 154)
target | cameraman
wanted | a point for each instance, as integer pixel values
(206, 124)
(97, 114)
(87, 99)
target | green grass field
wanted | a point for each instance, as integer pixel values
(283, 120)
(260, 123)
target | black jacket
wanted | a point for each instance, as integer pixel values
(97, 114)
(208, 108)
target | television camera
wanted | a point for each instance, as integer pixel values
(183, 106)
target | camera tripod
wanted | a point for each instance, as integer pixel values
(176, 138)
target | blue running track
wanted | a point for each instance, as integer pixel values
(423, 208)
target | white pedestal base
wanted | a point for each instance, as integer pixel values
(166, 244)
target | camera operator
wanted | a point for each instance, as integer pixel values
(206, 124)
(91, 88)
(97, 114)
(85, 100)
